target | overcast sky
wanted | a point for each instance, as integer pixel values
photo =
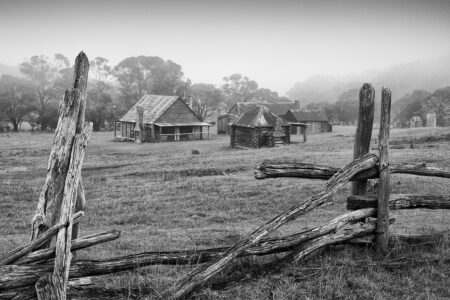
(273, 42)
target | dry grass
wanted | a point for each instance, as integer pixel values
(162, 197)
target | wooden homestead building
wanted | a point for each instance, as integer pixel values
(156, 118)
(317, 121)
(278, 108)
(259, 127)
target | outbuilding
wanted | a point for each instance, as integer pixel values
(258, 128)
(157, 118)
(317, 121)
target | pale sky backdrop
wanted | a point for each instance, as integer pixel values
(276, 43)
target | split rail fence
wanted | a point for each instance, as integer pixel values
(42, 270)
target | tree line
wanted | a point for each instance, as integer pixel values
(113, 90)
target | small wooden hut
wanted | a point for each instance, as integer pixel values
(415, 121)
(278, 108)
(317, 121)
(156, 118)
(259, 127)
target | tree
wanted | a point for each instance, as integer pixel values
(50, 78)
(346, 106)
(265, 95)
(438, 103)
(148, 74)
(16, 99)
(99, 108)
(205, 99)
(239, 88)
(409, 105)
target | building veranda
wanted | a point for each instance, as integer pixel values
(156, 118)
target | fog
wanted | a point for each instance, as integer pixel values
(275, 43)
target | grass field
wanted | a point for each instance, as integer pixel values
(162, 197)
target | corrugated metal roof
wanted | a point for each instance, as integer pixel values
(154, 106)
(260, 116)
(182, 124)
(309, 116)
(278, 108)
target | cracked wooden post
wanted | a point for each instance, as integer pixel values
(363, 131)
(54, 286)
(59, 193)
(70, 107)
(385, 179)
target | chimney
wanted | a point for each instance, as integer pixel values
(140, 118)
(297, 104)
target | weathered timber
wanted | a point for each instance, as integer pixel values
(202, 274)
(363, 131)
(277, 245)
(274, 169)
(79, 206)
(50, 285)
(401, 201)
(342, 234)
(384, 187)
(16, 276)
(21, 251)
(81, 243)
(51, 195)
(396, 240)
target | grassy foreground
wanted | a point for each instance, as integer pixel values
(163, 198)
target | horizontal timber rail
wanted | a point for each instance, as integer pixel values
(19, 252)
(401, 201)
(77, 244)
(27, 275)
(274, 169)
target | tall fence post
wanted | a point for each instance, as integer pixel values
(384, 184)
(363, 131)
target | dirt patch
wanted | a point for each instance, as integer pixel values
(168, 175)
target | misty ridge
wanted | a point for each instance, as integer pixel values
(402, 79)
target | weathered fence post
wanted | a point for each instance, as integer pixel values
(384, 183)
(59, 194)
(71, 113)
(363, 131)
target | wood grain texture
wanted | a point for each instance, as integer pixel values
(401, 201)
(363, 131)
(50, 198)
(22, 251)
(274, 169)
(78, 244)
(63, 253)
(384, 185)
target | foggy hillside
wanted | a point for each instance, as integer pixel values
(401, 78)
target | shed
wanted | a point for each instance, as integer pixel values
(259, 127)
(416, 121)
(317, 120)
(157, 118)
(278, 108)
(431, 120)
